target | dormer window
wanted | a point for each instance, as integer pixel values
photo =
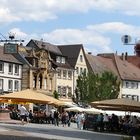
(58, 59)
(63, 60)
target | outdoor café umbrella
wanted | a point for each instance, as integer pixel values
(120, 104)
(75, 109)
(28, 96)
(93, 111)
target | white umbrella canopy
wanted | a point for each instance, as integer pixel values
(93, 111)
(75, 109)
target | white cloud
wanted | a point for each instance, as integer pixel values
(95, 38)
(42, 10)
(75, 36)
(116, 28)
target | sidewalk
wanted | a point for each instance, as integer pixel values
(45, 131)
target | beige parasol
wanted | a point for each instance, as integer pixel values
(121, 104)
(29, 96)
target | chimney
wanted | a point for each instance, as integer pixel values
(122, 57)
(126, 55)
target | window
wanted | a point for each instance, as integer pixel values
(123, 96)
(127, 84)
(64, 74)
(69, 74)
(45, 83)
(81, 70)
(34, 81)
(10, 85)
(58, 59)
(1, 67)
(59, 74)
(17, 69)
(63, 60)
(85, 70)
(69, 90)
(129, 96)
(50, 84)
(16, 85)
(10, 68)
(59, 90)
(77, 70)
(1, 84)
(135, 97)
(64, 91)
(132, 85)
(81, 58)
(137, 85)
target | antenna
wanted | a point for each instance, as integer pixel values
(3, 36)
(10, 45)
(11, 38)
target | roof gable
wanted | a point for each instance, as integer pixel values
(72, 52)
(127, 70)
(44, 45)
(100, 64)
(112, 62)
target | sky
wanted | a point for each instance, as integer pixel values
(97, 24)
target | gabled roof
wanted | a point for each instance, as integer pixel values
(95, 64)
(45, 45)
(71, 52)
(8, 57)
(100, 64)
(112, 62)
(126, 70)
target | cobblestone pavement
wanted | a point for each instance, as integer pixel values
(45, 131)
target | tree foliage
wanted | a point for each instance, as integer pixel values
(93, 87)
(55, 94)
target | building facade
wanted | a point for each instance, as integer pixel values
(127, 73)
(51, 71)
(10, 73)
(76, 58)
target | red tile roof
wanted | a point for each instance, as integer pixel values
(112, 62)
(134, 60)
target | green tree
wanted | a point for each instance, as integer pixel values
(81, 89)
(55, 95)
(93, 87)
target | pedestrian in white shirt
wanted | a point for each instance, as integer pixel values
(23, 112)
(106, 121)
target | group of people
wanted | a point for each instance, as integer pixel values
(42, 116)
(127, 124)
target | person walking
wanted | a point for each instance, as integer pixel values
(56, 118)
(23, 112)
